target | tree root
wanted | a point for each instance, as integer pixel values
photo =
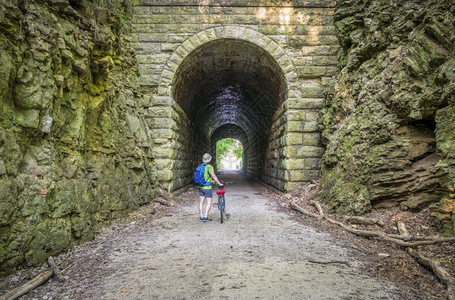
(404, 239)
(433, 265)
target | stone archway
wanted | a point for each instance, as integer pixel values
(227, 32)
(273, 154)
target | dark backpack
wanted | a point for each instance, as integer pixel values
(199, 178)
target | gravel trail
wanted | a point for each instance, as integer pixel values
(258, 253)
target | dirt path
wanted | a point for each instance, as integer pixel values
(259, 253)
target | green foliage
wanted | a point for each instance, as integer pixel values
(228, 147)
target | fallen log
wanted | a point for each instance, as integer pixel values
(27, 287)
(433, 265)
(163, 202)
(363, 220)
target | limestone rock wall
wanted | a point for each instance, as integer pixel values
(75, 147)
(388, 125)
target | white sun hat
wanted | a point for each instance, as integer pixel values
(206, 158)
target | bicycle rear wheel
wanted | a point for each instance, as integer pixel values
(221, 207)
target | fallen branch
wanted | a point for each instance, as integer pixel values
(363, 220)
(435, 239)
(301, 210)
(365, 233)
(164, 202)
(319, 208)
(30, 285)
(433, 265)
(56, 270)
(330, 262)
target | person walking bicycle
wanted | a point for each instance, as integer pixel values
(204, 177)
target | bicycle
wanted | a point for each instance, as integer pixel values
(221, 202)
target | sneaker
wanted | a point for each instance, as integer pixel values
(204, 219)
(201, 219)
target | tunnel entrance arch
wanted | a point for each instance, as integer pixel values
(232, 75)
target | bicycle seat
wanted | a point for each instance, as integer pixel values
(220, 192)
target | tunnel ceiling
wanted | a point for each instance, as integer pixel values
(229, 82)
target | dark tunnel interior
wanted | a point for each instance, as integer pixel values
(229, 88)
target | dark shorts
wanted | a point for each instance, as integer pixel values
(205, 193)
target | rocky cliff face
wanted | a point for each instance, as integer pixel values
(389, 122)
(74, 143)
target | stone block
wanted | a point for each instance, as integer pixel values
(147, 48)
(304, 103)
(165, 175)
(149, 80)
(298, 41)
(296, 30)
(319, 50)
(161, 112)
(302, 126)
(163, 133)
(150, 69)
(169, 47)
(291, 138)
(297, 138)
(297, 151)
(157, 59)
(163, 153)
(164, 164)
(161, 123)
(296, 115)
(162, 101)
(302, 164)
(312, 92)
(315, 71)
(301, 175)
(152, 37)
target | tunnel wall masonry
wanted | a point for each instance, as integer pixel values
(300, 37)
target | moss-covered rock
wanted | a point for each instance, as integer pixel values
(394, 88)
(70, 129)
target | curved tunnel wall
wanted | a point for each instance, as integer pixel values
(230, 81)
(263, 69)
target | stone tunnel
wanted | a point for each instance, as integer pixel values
(254, 71)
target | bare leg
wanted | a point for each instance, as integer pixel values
(201, 206)
(208, 206)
